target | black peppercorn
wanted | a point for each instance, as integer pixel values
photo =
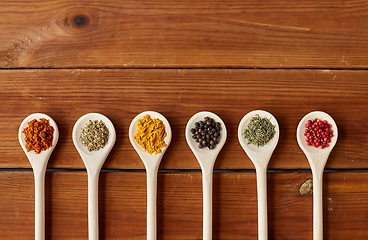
(206, 133)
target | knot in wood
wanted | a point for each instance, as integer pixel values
(79, 21)
(306, 187)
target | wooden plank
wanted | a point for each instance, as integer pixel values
(122, 206)
(66, 95)
(182, 34)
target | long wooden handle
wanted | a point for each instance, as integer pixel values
(207, 175)
(262, 203)
(317, 206)
(151, 204)
(39, 178)
(93, 231)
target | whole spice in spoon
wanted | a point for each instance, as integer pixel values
(318, 133)
(38, 135)
(207, 133)
(260, 131)
(94, 135)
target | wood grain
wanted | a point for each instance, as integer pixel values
(122, 206)
(66, 95)
(119, 58)
(183, 34)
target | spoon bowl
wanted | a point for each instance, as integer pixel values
(260, 156)
(317, 158)
(311, 152)
(151, 163)
(149, 160)
(206, 159)
(39, 165)
(42, 158)
(93, 161)
(204, 156)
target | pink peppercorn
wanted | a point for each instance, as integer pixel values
(318, 133)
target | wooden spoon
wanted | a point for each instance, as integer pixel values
(260, 156)
(39, 164)
(151, 163)
(317, 158)
(93, 161)
(206, 159)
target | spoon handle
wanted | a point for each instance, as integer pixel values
(207, 175)
(262, 202)
(93, 206)
(39, 178)
(151, 203)
(317, 206)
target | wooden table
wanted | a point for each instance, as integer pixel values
(66, 59)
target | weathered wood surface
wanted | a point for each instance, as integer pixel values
(66, 95)
(122, 206)
(181, 34)
(179, 58)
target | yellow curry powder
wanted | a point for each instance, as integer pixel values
(151, 134)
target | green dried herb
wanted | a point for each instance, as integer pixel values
(94, 135)
(260, 131)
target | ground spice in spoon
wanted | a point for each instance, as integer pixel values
(151, 134)
(38, 135)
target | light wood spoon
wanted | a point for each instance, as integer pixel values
(151, 163)
(93, 161)
(206, 159)
(39, 165)
(260, 156)
(317, 158)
